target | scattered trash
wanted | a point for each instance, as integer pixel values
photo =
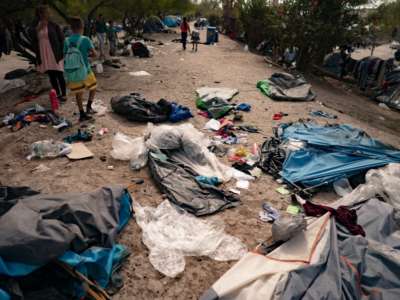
(138, 180)
(49, 149)
(248, 128)
(286, 87)
(243, 184)
(170, 235)
(283, 191)
(110, 167)
(383, 105)
(103, 158)
(381, 118)
(215, 181)
(55, 105)
(256, 172)
(80, 136)
(293, 209)
(212, 124)
(79, 151)
(235, 191)
(103, 131)
(126, 148)
(279, 116)
(268, 213)
(99, 108)
(139, 73)
(288, 226)
(40, 169)
(342, 187)
(209, 93)
(323, 114)
(42, 126)
(243, 107)
(99, 68)
(246, 48)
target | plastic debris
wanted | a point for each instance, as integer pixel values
(268, 213)
(171, 235)
(323, 114)
(139, 73)
(213, 124)
(243, 107)
(282, 190)
(293, 209)
(126, 148)
(49, 149)
(243, 184)
(99, 108)
(342, 187)
(288, 226)
(209, 180)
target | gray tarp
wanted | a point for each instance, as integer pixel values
(325, 261)
(40, 228)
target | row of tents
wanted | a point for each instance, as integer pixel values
(154, 24)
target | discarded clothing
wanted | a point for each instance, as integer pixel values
(80, 136)
(286, 87)
(136, 108)
(209, 180)
(140, 49)
(323, 114)
(268, 213)
(243, 107)
(170, 235)
(310, 154)
(215, 107)
(208, 93)
(325, 259)
(344, 216)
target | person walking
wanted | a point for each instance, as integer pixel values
(47, 42)
(112, 38)
(101, 30)
(185, 29)
(77, 49)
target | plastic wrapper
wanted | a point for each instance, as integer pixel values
(49, 149)
(171, 235)
(287, 226)
(127, 148)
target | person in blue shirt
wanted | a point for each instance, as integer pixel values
(90, 83)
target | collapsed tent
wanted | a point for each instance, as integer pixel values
(326, 261)
(215, 100)
(153, 25)
(286, 87)
(171, 235)
(309, 154)
(176, 155)
(136, 108)
(390, 92)
(78, 229)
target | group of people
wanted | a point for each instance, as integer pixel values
(195, 35)
(62, 58)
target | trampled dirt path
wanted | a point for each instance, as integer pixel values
(175, 76)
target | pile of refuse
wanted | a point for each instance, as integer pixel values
(336, 257)
(62, 246)
(179, 154)
(136, 108)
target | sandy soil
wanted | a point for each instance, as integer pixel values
(175, 76)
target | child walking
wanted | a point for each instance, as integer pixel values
(80, 77)
(195, 40)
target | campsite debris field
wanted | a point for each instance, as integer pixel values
(176, 80)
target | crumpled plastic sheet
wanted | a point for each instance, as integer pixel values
(288, 226)
(170, 235)
(384, 182)
(127, 148)
(208, 93)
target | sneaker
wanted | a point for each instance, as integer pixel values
(84, 117)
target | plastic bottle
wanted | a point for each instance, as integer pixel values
(54, 100)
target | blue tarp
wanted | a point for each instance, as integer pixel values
(332, 152)
(171, 21)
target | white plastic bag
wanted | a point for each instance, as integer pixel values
(171, 235)
(99, 68)
(127, 148)
(49, 149)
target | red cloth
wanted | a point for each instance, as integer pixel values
(343, 215)
(185, 27)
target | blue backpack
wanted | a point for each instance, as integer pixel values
(74, 66)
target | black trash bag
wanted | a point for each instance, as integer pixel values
(18, 73)
(139, 49)
(136, 108)
(9, 196)
(179, 184)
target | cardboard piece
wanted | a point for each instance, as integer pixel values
(79, 151)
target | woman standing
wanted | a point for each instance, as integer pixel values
(48, 42)
(185, 29)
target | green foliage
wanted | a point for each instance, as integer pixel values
(387, 16)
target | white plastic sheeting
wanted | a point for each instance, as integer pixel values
(171, 235)
(127, 148)
(208, 93)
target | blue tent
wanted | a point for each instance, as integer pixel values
(331, 152)
(171, 21)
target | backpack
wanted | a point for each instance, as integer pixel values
(74, 65)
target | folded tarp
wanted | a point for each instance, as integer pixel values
(331, 152)
(136, 108)
(325, 261)
(286, 87)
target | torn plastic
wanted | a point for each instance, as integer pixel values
(288, 226)
(49, 149)
(127, 148)
(170, 235)
(99, 108)
(383, 182)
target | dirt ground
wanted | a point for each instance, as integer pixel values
(175, 76)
